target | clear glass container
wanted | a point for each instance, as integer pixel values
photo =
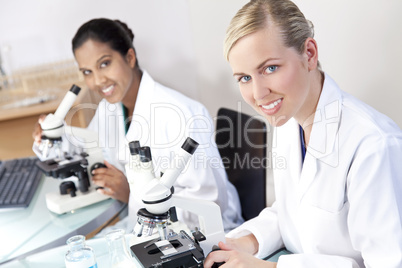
(79, 255)
(119, 255)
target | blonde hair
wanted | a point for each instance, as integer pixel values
(258, 14)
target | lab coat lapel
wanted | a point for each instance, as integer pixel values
(286, 146)
(140, 128)
(289, 146)
(324, 135)
(307, 176)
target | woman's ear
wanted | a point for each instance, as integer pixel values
(131, 57)
(311, 50)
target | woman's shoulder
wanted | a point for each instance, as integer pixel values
(166, 95)
(358, 115)
(366, 118)
(161, 94)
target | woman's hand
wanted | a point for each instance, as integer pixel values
(37, 132)
(237, 253)
(236, 259)
(247, 244)
(113, 181)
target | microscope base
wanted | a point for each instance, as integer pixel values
(60, 204)
(179, 251)
(150, 253)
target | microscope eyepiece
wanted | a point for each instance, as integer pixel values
(145, 154)
(134, 147)
(65, 104)
(75, 89)
(190, 145)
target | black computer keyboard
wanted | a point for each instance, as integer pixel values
(19, 180)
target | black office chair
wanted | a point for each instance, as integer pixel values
(242, 144)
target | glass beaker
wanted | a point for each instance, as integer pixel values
(79, 255)
(118, 251)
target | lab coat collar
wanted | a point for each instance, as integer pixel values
(322, 145)
(145, 91)
(141, 117)
(324, 134)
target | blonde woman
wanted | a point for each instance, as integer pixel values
(339, 197)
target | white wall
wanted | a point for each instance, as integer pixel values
(360, 46)
(180, 42)
(40, 31)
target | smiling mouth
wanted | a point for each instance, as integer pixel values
(108, 89)
(272, 105)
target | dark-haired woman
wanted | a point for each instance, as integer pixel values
(135, 107)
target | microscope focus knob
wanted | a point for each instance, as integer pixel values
(96, 166)
(68, 187)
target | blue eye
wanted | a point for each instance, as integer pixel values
(271, 69)
(245, 79)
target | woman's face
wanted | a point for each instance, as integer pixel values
(273, 79)
(105, 70)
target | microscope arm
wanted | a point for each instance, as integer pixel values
(88, 141)
(209, 215)
(82, 137)
(158, 198)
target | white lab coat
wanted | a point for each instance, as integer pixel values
(343, 206)
(163, 119)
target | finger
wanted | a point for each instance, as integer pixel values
(108, 174)
(41, 118)
(105, 191)
(101, 176)
(216, 257)
(100, 171)
(113, 173)
(111, 182)
(99, 182)
(105, 170)
(109, 165)
(37, 139)
(224, 246)
(37, 132)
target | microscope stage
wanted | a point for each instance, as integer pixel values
(179, 251)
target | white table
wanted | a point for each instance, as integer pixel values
(27, 231)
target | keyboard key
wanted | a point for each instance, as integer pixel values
(20, 187)
(6, 190)
(16, 178)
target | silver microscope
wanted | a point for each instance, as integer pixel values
(169, 247)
